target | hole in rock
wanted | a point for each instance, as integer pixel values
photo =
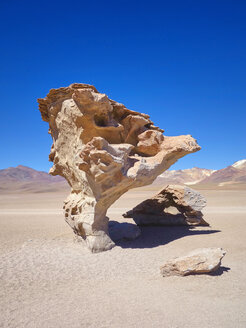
(100, 120)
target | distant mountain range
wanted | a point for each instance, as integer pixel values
(25, 179)
(186, 176)
(233, 174)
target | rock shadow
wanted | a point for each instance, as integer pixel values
(154, 236)
(219, 271)
(123, 231)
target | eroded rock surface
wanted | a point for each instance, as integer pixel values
(154, 211)
(203, 260)
(103, 149)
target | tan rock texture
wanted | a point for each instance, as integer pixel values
(202, 260)
(154, 211)
(103, 149)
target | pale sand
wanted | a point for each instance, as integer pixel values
(47, 280)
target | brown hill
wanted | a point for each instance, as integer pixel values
(26, 179)
(233, 174)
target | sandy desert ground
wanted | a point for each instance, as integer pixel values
(48, 280)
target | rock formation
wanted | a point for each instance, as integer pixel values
(203, 260)
(154, 211)
(103, 149)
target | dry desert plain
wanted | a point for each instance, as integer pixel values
(48, 280)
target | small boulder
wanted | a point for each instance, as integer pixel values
(202, 260)
(123, 231)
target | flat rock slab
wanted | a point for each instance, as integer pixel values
(202, 260)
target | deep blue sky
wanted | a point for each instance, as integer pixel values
(182, 62)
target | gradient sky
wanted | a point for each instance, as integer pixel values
(182, 62)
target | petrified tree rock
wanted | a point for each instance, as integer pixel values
(154, 211)
(202, 260)
(103, 149)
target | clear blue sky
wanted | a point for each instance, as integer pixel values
(182, 62)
